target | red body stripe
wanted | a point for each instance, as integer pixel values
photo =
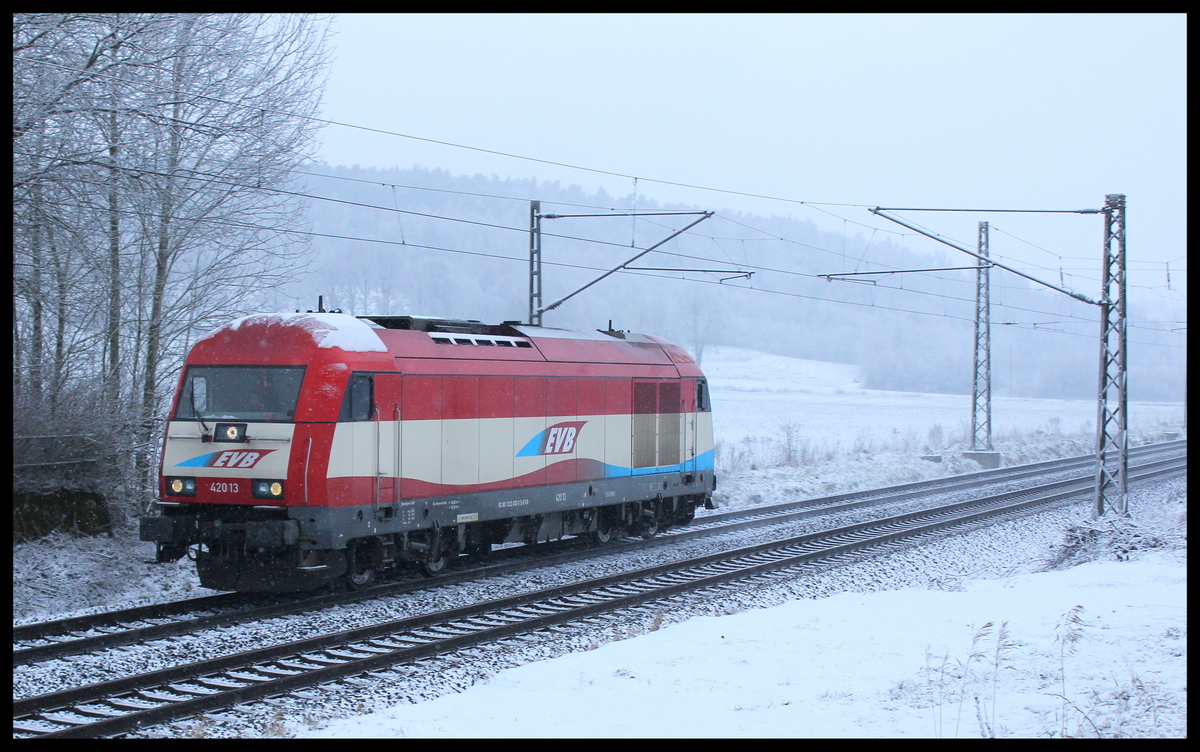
(560, 396)
(471, 397)
(529, 397)
(496, 396)
(460, 397)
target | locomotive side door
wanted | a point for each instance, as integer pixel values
(645, 424)
(689, 430)
(657, 429)
(387, 443)
(670, 433)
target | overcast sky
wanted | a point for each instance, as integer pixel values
(975, 111)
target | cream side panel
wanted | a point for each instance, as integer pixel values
(272, 462)
(618, 441)
(422, 446)
(353, 451)
(497, 449)
(359, 445)
(341, 464)
(704, 433)
(460, 452)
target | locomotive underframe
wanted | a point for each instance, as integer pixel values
(302, 548)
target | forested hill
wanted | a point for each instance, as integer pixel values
(458, 246)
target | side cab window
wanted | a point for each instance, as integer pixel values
(359, 398)
(702, 403)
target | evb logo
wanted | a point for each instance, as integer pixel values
(243, 459)
(557, 439)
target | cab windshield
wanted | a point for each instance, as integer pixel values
(249, 393)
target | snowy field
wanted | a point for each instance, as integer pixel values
(757, 395)
(995, 658)
(788, 428)
(999, 646)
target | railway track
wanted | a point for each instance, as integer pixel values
(51, 640)
(122, 705)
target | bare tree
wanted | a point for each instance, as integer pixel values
(148, 152)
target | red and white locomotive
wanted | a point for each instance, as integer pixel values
(308, 448)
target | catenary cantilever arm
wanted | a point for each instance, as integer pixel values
(565, 298)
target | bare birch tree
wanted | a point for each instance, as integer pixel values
(148, 151)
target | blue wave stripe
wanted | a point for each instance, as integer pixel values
(702, 462)
(201, 461)
(534, 447)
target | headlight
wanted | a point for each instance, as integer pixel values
(266, 489)
(181, 486)
(234, 432)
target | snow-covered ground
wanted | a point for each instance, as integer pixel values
(1097, 649)
(895, 648)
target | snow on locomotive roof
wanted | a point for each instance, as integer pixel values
(326, 329)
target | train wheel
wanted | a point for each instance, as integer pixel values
(432, 567)
(360, 573)
(602, 534)
(604, 531)
(649, 522)
(442, 548)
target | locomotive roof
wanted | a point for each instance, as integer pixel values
(326, 329)
(427, 337)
